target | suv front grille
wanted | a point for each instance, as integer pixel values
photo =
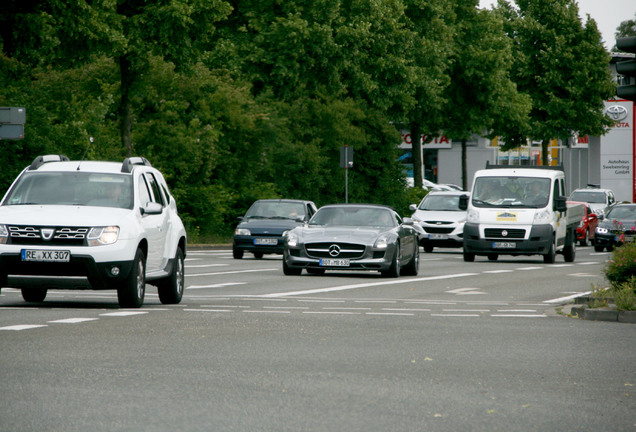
(35, 235)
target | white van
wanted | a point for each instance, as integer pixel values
(520, 211)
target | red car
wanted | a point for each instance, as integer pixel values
(585, 230)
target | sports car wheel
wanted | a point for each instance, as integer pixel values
(413, 267)
(289, 271)
(394, 270)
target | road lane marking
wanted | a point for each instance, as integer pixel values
(497, 271)
(123, 313)
(365, 285)
(567, 298)
(23, 327)
(517, 316)
(232, 272)
(221, 285)
(72, 320)
(466, 291)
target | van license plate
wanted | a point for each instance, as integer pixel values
(504, 245)
(46, 255)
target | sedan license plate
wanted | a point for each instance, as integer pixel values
(46, 255)
(438, 236)
(266, 241)
(504, 245)
(331, 262)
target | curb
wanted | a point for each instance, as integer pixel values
(602, 314)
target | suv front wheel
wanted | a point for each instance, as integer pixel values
(171, 288)
(131, 293)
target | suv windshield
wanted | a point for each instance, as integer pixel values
(440, 203)
(72, 188)
(594, 197)
(276, 210)
(511, 192)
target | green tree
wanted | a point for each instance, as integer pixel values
(482, 99)
(626, 28)
(562, 65)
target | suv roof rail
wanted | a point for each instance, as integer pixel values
(42, 159)
(593, 186)
(545, 167)
(129, 163)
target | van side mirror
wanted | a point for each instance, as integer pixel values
(463, 202)
(560, 204)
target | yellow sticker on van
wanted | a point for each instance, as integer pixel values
(506, 217)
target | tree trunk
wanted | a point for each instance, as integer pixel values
(125, 109)
(544, 152)
(416, 151)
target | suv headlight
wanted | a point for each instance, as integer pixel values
(242, 232)
(98, 236)
(4, 234)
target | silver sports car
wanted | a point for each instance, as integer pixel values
(353, 237)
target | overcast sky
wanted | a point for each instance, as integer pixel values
(608, 14)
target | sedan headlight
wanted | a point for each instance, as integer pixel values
(242, 232)
(382, 242)
(98, 236)
(291, 239)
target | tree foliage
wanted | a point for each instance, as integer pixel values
(240, 100)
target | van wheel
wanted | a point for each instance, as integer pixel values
(34, 295)
(549, 257)
(171, 288)
(131, 293)
(569, 251)
(469, 257)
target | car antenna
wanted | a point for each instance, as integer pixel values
(90, 139)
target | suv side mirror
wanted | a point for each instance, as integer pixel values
(152, 208)
(560, 204)
(463, 202)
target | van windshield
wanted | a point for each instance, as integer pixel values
(528, 192)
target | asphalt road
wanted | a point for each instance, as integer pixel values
(460, 347)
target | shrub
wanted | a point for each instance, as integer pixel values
(622, 265)
(625, 295)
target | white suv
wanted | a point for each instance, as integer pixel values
(92, 225)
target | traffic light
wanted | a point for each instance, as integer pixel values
(627, 68)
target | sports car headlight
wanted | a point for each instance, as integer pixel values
(382, 242)
(602, 230)
(242, 232)
(98, 236)
(4, 234)
(291, 239)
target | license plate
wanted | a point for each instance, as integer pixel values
(504, 245)
(266, 241)
(438, 236)
(334, 262)
(46, 255)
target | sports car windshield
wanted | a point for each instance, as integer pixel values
(353, 217)
(72, 188)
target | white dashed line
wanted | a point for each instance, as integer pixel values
(23, 327)
(72, 320)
